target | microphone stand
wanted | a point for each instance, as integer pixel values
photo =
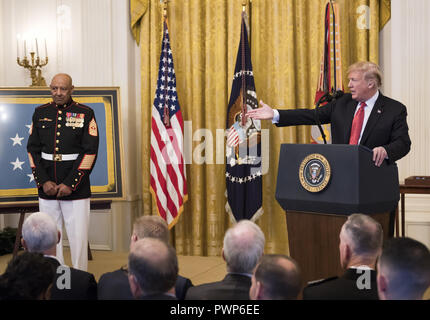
(324, 98)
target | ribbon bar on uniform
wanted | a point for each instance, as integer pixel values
(60, 157)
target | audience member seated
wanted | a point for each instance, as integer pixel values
(28, 276)
(277, 277)
(115, 286)
(152, 270)
(40, 234)
(403, 270)
(243, 248)
(360, 245)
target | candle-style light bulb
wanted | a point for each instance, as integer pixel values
(37, 49)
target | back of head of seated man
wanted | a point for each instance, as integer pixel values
(243, 247)
(360, 244)
(150, 226)
(28, 276)
(403, 270)
(115, 285)
(277, 277)
(152, 269)
(40, 234)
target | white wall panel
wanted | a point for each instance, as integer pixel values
(405, 52)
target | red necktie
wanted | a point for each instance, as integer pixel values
(357, 124)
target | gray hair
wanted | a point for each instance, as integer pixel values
(243, 246)
(365, 233)
(40, 232)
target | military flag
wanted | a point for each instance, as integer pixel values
(330, 75)
(243, 147)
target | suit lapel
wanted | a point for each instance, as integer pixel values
(373, 118)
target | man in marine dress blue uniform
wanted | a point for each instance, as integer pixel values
(62, 150)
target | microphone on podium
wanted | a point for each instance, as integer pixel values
(327, 97)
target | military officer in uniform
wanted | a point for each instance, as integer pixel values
(62, 150)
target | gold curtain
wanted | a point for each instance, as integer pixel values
(286, 48)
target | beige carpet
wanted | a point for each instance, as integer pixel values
(198, 269)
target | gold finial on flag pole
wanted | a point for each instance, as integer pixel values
(164, 7)
(244, 3)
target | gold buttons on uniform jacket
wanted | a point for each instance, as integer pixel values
(59, 126)
(56, 149)
(73, 185)
(76, 179)
(60, 112)
(59, 118)
(58, 133)
(57, 141)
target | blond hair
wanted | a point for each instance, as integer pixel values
(151, 226)
(370, 70)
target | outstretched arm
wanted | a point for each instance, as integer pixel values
(265, 112)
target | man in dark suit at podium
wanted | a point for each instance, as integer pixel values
(364, 116)
(360, 245)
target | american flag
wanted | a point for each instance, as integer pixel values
(167, 167)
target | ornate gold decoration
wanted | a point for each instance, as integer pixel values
(35, 65)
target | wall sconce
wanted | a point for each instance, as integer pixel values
(35, 63)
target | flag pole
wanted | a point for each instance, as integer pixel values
(164, 8)
(166, 117)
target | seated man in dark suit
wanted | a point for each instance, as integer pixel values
(277, 277)
(243, 248)
(40, 234)
(360, 245)
(403, 270)
(114, 285)
(152, 270)
(28, 276)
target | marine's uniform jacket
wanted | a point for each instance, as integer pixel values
(58, 131)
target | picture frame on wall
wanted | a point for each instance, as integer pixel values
(16, 109)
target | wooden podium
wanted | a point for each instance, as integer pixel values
(314, 218)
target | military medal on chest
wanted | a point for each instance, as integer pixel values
(75, 120)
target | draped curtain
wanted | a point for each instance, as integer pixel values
(286, 48)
